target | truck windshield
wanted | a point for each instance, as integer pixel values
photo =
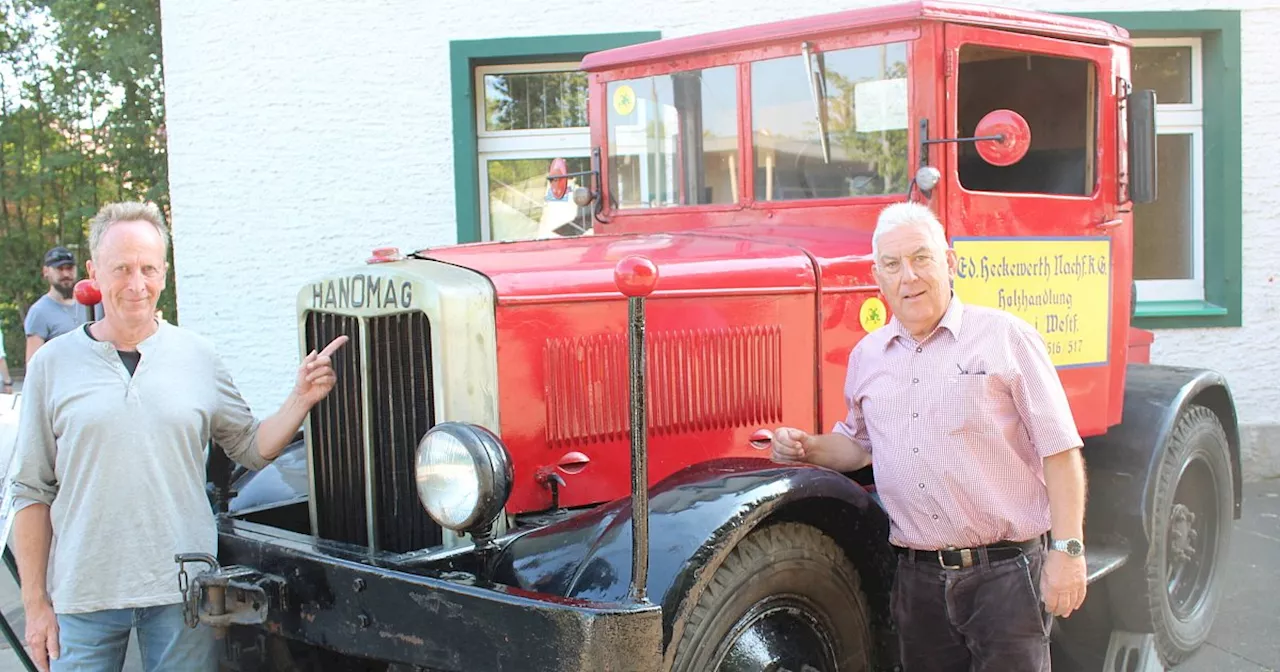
(863, 94)
(673, 139)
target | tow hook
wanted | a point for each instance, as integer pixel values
(223, 596)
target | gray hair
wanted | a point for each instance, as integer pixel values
(114, 213)
(904, 214)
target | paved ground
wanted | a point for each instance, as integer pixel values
(1246, 635)
(1245, 638)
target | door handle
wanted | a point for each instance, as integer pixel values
(1109, 224)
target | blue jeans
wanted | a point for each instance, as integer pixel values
(97, 640)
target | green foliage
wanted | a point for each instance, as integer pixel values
(81, 125)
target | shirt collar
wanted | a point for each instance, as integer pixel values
(951, 321)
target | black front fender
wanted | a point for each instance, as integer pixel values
(696, 517)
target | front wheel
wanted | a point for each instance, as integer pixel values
(1190, 533)
(786, 598)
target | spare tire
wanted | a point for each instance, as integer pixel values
(786, 598)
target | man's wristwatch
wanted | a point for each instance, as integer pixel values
(1072, 547)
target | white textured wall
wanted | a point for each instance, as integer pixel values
(303, 133)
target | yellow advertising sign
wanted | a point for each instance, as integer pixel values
(1061, 286)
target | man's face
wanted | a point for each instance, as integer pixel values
(129, 267)
(914, 274)
(61, 279)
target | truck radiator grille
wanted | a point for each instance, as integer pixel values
(398, 387)
(337, 436)
(403, 410)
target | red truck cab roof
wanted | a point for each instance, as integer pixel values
(1024, 21)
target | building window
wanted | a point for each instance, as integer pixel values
(527, 116)
(1168, 260)
(518, 104)
(1188, 249)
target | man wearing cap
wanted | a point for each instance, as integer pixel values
(56, 312)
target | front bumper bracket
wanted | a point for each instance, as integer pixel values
(223, 596)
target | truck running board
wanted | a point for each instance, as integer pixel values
(1104, 558)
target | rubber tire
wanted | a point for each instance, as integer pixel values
(785, 558)
(1198, 435)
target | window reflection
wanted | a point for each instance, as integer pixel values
(522, 205)
(673, 139)
(535, 100)
(861, 93)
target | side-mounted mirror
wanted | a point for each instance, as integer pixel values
(583, 196)
(1002, 137)
(1142, 146)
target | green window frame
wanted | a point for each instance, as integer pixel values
(1219, 31)
(464, 57)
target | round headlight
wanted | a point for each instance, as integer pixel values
(464, 475)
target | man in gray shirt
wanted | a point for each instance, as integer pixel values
(56, 312)
(108, 482)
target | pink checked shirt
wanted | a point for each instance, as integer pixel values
(958, 426)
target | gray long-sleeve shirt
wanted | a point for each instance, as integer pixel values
(120, 461)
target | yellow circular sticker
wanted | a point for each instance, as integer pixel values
(872, 315)
(624, 100)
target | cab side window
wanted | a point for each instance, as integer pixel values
(1058, 98)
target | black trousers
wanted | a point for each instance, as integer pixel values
(984, 618)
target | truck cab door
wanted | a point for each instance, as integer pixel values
(1042, 236)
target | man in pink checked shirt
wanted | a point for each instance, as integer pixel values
(976, 459)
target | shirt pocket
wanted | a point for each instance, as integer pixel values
(981, 402)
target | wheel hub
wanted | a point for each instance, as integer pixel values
(778, 636)
(1182, 534)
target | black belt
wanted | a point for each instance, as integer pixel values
(960, 558)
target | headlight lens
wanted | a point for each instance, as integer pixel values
(463, 475)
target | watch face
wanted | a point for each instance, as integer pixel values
(1070, 546)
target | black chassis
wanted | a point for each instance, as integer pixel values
(557, 596)
(416, 610)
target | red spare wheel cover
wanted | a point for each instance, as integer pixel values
(560, 186)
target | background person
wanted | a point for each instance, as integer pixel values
(56, 312)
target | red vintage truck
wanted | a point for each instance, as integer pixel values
(476, 493)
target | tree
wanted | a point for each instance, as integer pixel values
(81, 124)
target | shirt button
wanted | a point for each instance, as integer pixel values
(915, 415)
(919, 349)
(915, 380)
(922, 486)
(935, 516)
(915, 450)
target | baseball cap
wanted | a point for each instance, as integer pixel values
(59, 256)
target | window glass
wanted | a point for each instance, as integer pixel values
(1058, 99)
(833, 126)
(522, 205)
(535, 100)
(1165, 69)
(1163, 232)
(673, 139)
